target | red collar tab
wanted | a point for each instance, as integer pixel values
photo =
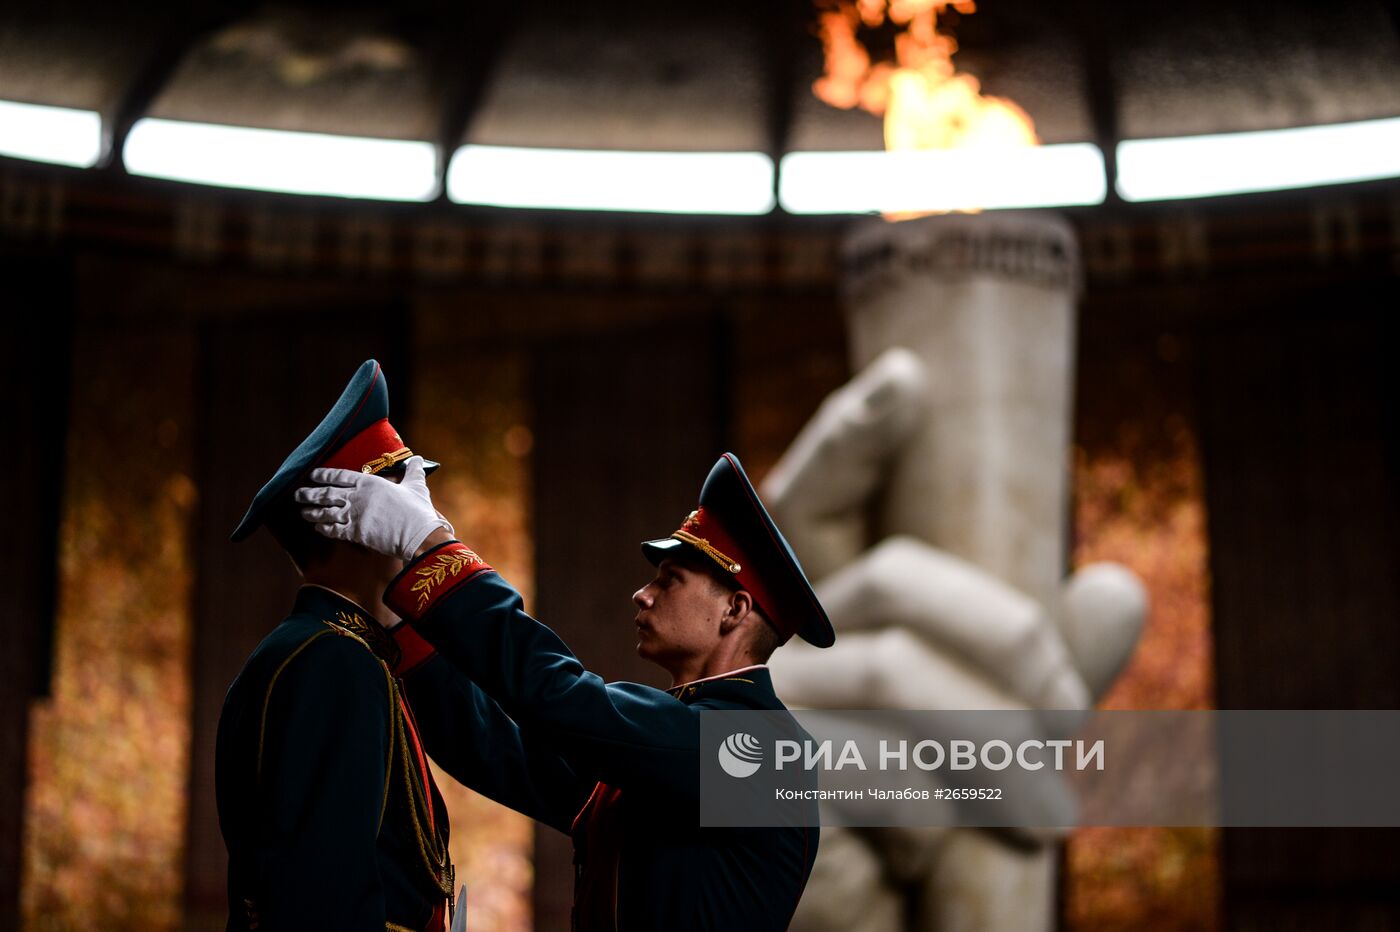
(372, 450)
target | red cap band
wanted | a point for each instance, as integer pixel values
(377, 447)
(717, 545)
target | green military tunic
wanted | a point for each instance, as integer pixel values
(630, 751)
(325, 800)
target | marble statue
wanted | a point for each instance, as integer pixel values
(928, 498)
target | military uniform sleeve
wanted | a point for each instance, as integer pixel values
(620, 733)
(323, 763)
(471, 737)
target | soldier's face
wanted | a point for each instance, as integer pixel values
(678, 615)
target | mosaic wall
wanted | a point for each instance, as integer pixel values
(105, 814)
(1139, 501)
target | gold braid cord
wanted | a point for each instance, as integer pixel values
(708, 549)
(380, 463)
(398, 766)
(432, 843)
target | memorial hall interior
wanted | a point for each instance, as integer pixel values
(1233, 435)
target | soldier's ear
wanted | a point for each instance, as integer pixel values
(740, 604)
(738, 608)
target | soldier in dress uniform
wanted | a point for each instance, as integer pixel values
(727, 591)
(325, 800)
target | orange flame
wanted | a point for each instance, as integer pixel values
(926, 103)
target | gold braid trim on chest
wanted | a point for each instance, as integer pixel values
(432, 840)
(401, 764)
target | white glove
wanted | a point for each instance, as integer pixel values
(388, 518)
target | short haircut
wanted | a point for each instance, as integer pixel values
(766, 638)
(297, 536)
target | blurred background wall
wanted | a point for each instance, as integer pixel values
(1234, 446)
(1236, 443)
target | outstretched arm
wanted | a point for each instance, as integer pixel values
(473, 739)
(620, 733)
(623, 733)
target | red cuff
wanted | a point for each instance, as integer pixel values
(413, 650)
(428, 579)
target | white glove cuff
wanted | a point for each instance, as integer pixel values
(415, 540)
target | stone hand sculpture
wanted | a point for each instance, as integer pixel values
(927, 498)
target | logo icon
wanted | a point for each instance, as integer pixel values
(740, 755)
